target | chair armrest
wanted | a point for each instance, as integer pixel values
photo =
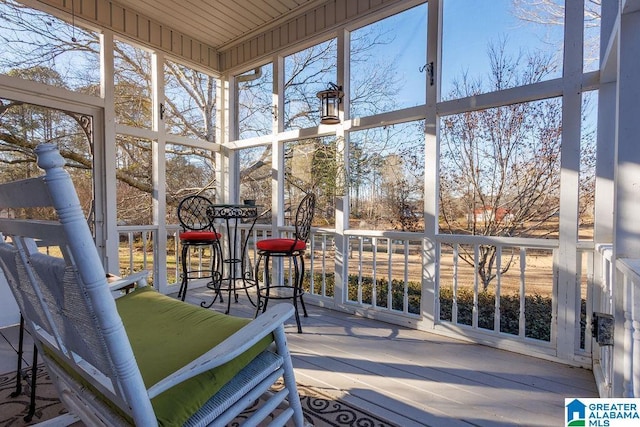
(119, 284)
(228, 349)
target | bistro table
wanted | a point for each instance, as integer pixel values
(237, 273)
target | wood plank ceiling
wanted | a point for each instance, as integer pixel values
(220, 23)
(219, 35)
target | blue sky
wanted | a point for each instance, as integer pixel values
(468, 27)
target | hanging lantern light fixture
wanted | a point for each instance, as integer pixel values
(329, 104)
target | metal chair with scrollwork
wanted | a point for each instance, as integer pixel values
(292, 248)
(197, 232)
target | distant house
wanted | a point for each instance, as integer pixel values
(487, 213)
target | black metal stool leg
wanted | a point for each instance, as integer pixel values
(258, 291)
(232, 289)
(300, 283)
(217, 276)
(34, 371)
(267, 283)
(19, 369)
(294, 288)
(182, 293)
(19, 376)
(217, 271)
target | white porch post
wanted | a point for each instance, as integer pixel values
(226, 133)
(277, 148)
(225, 163)
(277, 157)
(107, 91)
(429, 301)
(341, 267)
(605, 159)
(626, 241)
(99, 184)
(159, 176)
(567, 289)
(604, 188)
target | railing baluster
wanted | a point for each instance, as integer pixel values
(144, 234)
(476, 258)
(496, 311)
(405, 289)
(311, 251)
(590, 300)
(374, 264)
(628, 338)
(323, 291)
(131, 241)
(635, 347)
(522, 319)
(454, 306)
(389, 275)
(360, 251)
(176, 269)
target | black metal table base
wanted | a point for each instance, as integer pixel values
(231, 287)
(235, 274)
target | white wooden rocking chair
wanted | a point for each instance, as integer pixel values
(140, 358)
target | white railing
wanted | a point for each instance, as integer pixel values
(629, 274)
(382, 275)
(384, 271)
(603, 303)
(617, 367)
(137, 249)
(321, 265)
(507, 300)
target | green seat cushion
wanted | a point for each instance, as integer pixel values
(167, 334)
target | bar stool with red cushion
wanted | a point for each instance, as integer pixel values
(293, 249)
(197, 231)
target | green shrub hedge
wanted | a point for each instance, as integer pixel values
(538, 308)
(537, 312)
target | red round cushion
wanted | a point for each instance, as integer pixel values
(198, 235)
(281, 245)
